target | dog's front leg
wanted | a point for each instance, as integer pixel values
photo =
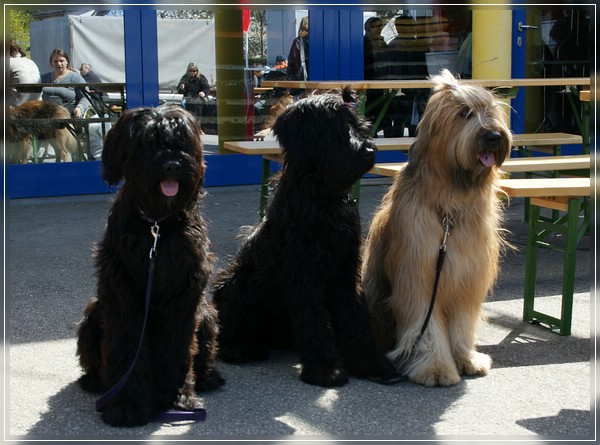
(432, 363)
(132, 406)
(354, 337)
(462, 339)
(207, 377)
(173, 350)
(312, 333)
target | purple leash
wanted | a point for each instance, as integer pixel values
(171, 415)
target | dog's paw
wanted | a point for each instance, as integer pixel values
(233, 354)
(126, 414)
(212, 381)
(476, 363)
(187, 401)
(327, 378)
(91, 382)
(437, 375)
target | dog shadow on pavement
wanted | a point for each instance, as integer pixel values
(267, 400)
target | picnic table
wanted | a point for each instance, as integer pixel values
(271, 151)
(503, 87)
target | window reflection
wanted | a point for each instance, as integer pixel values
(398, 44)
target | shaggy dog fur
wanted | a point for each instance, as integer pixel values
(462, 140)
(59, 135)
(295, 280)
(158, 153)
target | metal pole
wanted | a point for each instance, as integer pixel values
(231, 99)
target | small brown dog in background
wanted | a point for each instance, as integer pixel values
(462, 139)
(274, 111)
(57, 134)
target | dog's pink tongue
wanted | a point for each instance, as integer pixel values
(169, 187)
(487, 159)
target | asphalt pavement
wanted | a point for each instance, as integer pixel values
(541, 385)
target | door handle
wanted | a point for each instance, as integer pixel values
(522, 27)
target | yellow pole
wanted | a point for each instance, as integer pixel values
(491, 50)
(492, 35)
(229, 48)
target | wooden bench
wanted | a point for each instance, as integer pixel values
(271, 151)
(565, 195)
(558, 194)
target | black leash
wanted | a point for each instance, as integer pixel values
(171, 415)
(447, 223)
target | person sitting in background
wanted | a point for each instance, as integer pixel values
(257, 75)
(90, 77)
(375, 58)
(195, 88)
(98, 97)
(281, 63)
(22, 70)
(374, 48)
(72, 98)
(86, 72)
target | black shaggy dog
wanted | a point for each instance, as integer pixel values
(158, 153)
(295, 280)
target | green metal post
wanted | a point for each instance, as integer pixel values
(566, 314)
(530, 263)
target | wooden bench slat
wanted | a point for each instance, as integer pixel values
(514, 165)
(546, 139)
(546, 163)
(543, 187)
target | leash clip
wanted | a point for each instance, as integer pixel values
(154, 231)
(447, 223)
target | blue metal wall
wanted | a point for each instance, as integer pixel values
(141, 57)
(336, 44)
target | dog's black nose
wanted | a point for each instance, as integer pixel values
(368, 152)
(172, 167)
(492, 137)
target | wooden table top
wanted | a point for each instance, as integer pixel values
(385, 144)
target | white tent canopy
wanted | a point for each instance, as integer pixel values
(99, 41)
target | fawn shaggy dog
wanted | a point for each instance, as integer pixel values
(462, 139)
(59, 135)
(154, 221)
(295, 281)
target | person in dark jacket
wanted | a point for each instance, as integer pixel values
(298, 60)
(195, 88)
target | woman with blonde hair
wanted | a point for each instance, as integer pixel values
(298, 60)
(195, 88)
